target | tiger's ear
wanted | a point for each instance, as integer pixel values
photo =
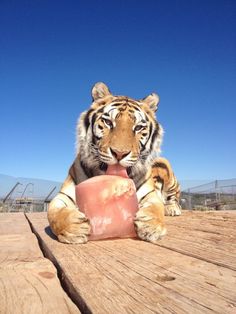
(152, 101)
(100, 90)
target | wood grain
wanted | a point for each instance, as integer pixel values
(28, 281)
(15, 248)
(32, 288)
(132, 276)
(209, 236)
(13, 223)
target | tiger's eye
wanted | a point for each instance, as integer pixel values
(138, 128)
(107, 122)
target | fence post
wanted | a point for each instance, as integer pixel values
(216, 193)
(189, 200)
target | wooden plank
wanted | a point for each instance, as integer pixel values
(33, 288)
(132, 276)
(17, 242)
(28, 281)
(219, 222)
(13, 223)
(185, 275)
(17, 248)
(214, 227)
(189, 234)
(210, 213)
(207, 216)
(175, 263)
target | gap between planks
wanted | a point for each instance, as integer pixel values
(28, 281)
(65, 284)
(98, 259)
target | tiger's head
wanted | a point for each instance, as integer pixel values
(118, 129)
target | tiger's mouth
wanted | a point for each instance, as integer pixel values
(117, 170)
(104, 167)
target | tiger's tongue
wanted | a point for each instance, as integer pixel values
(117, 170)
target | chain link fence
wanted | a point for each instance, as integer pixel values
(215, 195)
(22, 197)
(26, 205)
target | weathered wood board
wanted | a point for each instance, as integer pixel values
(132, 276)
(209, 236)
(14, 223)
(28, 281)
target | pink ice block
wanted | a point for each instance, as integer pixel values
(110, 203)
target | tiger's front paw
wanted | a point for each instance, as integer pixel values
(70, 226)
(173, 209)
(149, 228)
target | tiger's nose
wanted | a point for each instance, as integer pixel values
(119, 154)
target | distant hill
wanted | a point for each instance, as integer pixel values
(41, 188)
(186, 184)
(38, 188)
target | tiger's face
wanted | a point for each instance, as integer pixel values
(118, 129)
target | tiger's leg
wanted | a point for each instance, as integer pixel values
(149, 220)
(166, 181)
(66, 221)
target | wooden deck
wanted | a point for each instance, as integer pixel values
(191, 270)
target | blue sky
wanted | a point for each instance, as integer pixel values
(52, 52)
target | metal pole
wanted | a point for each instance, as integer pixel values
(50, 193)
(23, 193)
(216, 186)
(189, 200)
(12, 190)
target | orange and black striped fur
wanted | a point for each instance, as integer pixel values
(118, 129)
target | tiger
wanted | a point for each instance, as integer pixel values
(118, 129)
